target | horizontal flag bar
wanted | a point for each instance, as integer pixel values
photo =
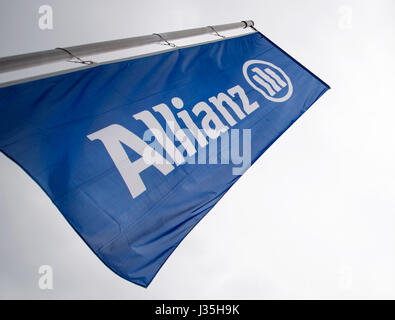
(27, 60)
(129, 58)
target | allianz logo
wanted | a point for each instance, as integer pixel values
(189, 136)
(268, 79)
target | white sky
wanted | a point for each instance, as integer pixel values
(314, 216)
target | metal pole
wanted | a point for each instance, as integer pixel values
(27, 60)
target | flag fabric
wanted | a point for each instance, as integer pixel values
(134, 153)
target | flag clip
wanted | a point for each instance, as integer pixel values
(79, 60)
(167, 43)
(216, 33)
(252, 27)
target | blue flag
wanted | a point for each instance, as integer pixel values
(134, 153)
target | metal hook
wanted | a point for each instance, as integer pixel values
(166, 42)
(252, 27)
(75, 57)
(216, 33)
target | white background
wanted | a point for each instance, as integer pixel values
(313, 218)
